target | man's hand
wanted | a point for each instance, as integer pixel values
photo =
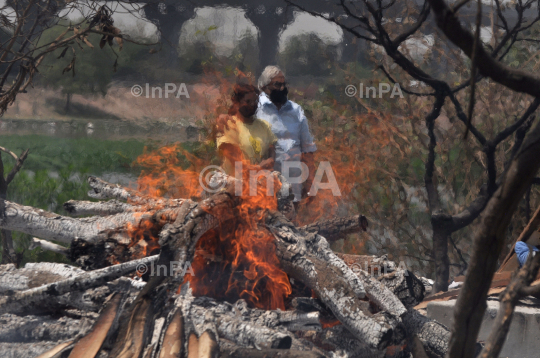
(222, 123)
(231, 152)
(309, 160)
(267, 164)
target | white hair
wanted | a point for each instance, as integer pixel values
(267, 75)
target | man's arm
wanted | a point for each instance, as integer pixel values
(234, 154)
(223, 122)
(307, 146)
(230, 151)
(268, 164)
(309, 160)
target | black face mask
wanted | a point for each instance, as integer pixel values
(247, 111)
(278, 96)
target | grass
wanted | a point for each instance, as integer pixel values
(56, 170)
(82, 155)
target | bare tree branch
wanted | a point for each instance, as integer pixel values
(488, 243)
(531, 227)
(509, 299)
(17, 167)
(9, 152)
(433, 195)
(419, 22)
(508, 131)
(517, 80)
(474, 59)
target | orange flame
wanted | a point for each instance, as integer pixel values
(358, 155)
(171, 172)
(245, 252)
(239, 259)
(162, 175)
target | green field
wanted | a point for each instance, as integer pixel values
(56, 170)
(81, 155)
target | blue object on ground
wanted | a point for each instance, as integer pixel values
(522, 252)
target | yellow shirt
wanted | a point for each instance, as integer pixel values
(253, 140)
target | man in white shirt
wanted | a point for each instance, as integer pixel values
(290, 125)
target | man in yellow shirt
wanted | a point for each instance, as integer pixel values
(242, 136)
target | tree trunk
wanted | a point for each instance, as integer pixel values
(8, 251)
(487, 246)
(68, 102)
(441, 234)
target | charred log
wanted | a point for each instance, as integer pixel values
(111, 207)
(159, 323)
(34, 275)
(43, 349)
(36, 298)
(90, 344)
(338, 338)
(48, 246)
(309, 259)
(409, 289)
(405, 285)
(433, 335)
(173, 338)
(334, 229)
(51, 226)
(238, 352)
(375, 265)
(38, 328)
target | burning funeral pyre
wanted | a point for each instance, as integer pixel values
(228, 275)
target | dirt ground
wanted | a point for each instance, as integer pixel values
(119, 103)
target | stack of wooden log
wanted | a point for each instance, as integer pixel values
(99, 310)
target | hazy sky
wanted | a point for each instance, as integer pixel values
(230, 22)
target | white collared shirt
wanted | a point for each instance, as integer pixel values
(291, 128)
